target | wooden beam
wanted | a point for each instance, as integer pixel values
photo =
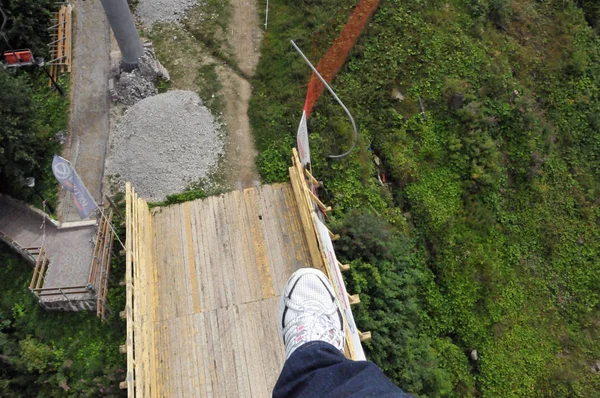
(354, 299)
(332, 235)
(123, 349)
(343, 267)
(315, 182)
(35, 271)
(319, 203)
(364, 336)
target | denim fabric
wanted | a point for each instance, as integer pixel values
(318, 369)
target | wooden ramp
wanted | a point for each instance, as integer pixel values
(207, 277)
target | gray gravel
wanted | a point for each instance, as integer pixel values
(151, 11)
(163, 143)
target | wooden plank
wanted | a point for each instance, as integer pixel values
(238, 253)
(239, 341)
(279, 258)
(250, 256)
(306, 219)
(200, 253)
(273, 353)
(225, 263)
(253, 349)
(36, 270)
(181, 274)
(203, 355)
(191, 260)
(41, 276)
(129, 288)
(59, 46)
(213, 353)
(228, 370)
(258, 242)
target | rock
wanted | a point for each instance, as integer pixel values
(473, 355)
(157, 157)
(397, 95)
(130, 87)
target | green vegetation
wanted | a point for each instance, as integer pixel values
(489, 236)
(185, 196)
(31, 113)
(52, 354)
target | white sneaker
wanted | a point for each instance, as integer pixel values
(309, 311)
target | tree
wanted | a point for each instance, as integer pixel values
(19, 147)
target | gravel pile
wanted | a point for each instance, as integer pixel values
(163, 143)
(151, 11)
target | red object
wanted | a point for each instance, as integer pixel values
(18, 56)
(335, 57)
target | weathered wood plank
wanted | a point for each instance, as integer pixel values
(189, 256)
(258, 241)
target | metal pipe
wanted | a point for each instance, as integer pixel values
(123, 26)
(336, 98)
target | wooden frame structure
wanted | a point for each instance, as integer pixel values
(100, 269)
(192, 329)
(138, 313)
(309, 205)
(60, 47)
(39, 275)
(97, 279)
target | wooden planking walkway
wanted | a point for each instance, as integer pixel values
(207, 286)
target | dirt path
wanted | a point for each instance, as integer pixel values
(244, 39)
(89, 124)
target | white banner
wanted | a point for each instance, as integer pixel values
(302, 140)
(340, 287)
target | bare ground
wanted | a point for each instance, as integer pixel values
(243, 36)
(186, 57)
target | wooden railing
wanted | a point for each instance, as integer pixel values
(100, 268)
(141, 364)
(39, 276)
(319, 239)
(60, 47)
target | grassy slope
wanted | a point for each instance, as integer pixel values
(501, 194)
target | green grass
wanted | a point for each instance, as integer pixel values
(47, 351)
(499, 198)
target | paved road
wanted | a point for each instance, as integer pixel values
(69, 250)
(90, 102)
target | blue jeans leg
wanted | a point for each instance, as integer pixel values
(318, 369)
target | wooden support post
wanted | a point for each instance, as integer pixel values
(332, 235)
(364, 336)
(312, 179)
(319, 203)
(42, 270)
(354, 299)
(343, 267)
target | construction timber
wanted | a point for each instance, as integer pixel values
(203, 282)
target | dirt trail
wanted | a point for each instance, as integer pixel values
(244, 39)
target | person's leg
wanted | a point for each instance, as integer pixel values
(318, 369)
(311, 325)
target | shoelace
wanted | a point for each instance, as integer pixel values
(320, 325)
